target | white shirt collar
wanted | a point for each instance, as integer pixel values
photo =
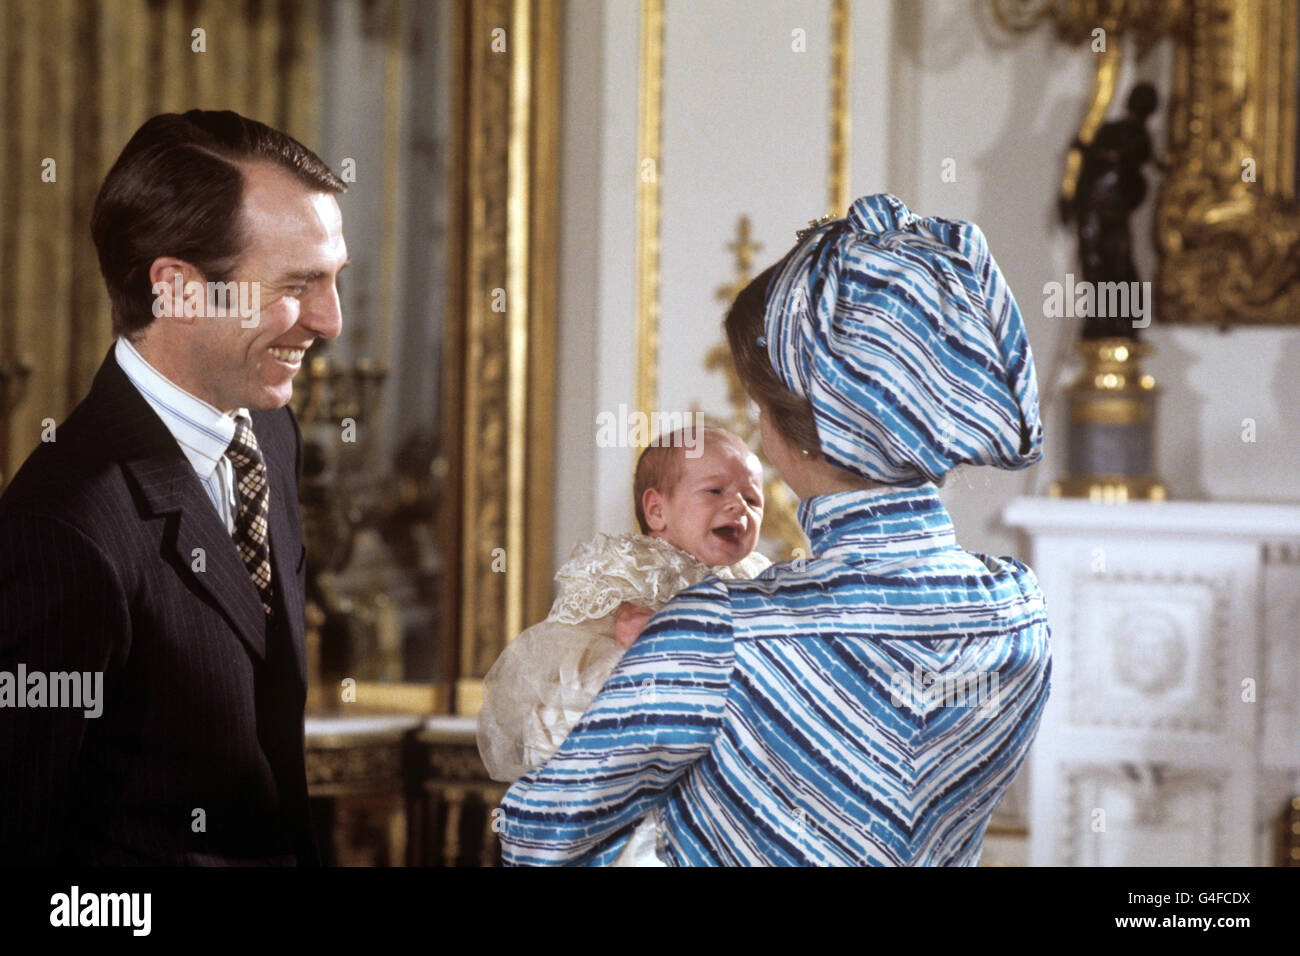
(203, 431)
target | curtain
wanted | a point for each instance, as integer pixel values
(79, 79)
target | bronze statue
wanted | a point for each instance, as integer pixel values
(1110, 187)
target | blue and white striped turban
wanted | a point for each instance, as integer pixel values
(903, 335)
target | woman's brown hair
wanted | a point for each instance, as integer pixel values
(790, 414)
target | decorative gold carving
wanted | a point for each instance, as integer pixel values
(1229, 247)
(647, 203)
(1103, 90)
(743, 248)
(485, 426)
(841, 114)
(780, 514)
(507, 385)
(1077, 20)
(1288, 836)
(331, 769)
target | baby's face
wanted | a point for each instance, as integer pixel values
(717, 507)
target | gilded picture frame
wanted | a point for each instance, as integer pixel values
(493, 511)
(499, 392)
(1227, 221)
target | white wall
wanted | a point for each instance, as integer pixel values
(746, 131)
(596, 310)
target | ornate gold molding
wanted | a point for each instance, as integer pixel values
(650, 123)
(392, 21)
(1077, 20)
(1103, 90)
(841, 106)
(1101, 24)
(339, 764)
(1229, 246)
(507, 384)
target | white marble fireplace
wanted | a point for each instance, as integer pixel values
(1172, 735)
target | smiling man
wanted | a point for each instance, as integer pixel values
(156, 539)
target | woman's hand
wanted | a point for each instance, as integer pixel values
(629, 621)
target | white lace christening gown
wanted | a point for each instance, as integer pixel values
(546, 678)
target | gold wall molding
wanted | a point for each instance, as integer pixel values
(1075, 20)
(841, 106)
(393, 22)
(503, 396)
(649, 128)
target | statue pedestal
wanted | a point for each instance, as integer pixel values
(1111, 434)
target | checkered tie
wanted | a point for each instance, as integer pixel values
(254, 507)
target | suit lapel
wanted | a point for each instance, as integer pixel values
(195, 541)
(285, 542)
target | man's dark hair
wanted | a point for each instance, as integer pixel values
(177, 190)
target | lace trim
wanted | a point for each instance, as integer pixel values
(604, 572)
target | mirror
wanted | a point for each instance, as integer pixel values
(369, 402)
(430, 418)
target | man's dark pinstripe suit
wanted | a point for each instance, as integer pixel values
(101, 532)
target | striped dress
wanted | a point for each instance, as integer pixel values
(868, 706)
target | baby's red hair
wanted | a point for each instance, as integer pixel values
(661, 464)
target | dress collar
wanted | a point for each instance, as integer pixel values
(863, 526)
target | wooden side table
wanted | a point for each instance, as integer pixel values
(357, 779)
(453, 803)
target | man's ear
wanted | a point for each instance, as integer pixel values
(179, 290)
(652, 503)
